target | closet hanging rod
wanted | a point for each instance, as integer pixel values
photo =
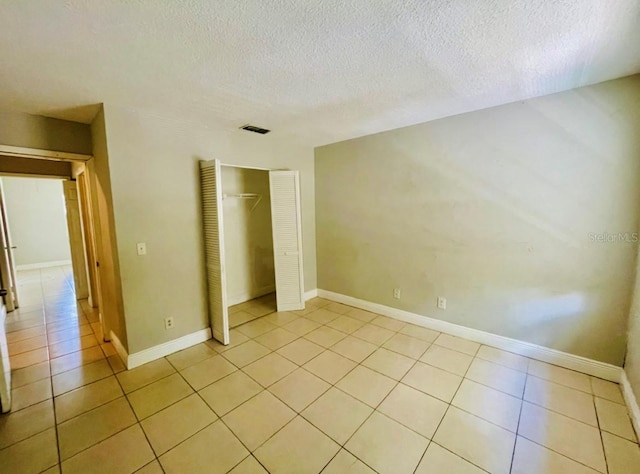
(258, 197)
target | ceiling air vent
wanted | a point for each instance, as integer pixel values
(254, 129)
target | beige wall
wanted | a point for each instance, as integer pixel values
(493, 210)
(37, 220)
(247, 232)
(111, 304)
(34, 131)
(156, 197)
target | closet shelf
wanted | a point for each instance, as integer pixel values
(258, 197)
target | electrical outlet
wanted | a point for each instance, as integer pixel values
(442, 302)
(141, 247)
(168, 323)
(396, 293)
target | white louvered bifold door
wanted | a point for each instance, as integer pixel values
(211, 181)
(287, 239)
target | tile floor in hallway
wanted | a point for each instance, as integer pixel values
(330, 389)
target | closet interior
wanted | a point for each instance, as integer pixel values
(248, 244)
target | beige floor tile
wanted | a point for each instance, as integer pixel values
(30, 394)
(22, 334)
(531, 458)
(447, 359)
(176, 423)
(345, 462)
(108, 349)
(407, 345)
(299, 389)
(497, 376)
(235, 339)
(19, 425)
(145, 374)
(563, 435)
(276, 339)
(281, 318)
(607, 390)
(246, 353)
(213, 450)
(361, 315)
(371, 443)
(258, 419)
(299, 447)
(31, 455)
(367, 385)
(86, 398)
(72, 345)
(318, 302)
(269, 369)
(389, 323)
(55, 337)
(567, 401)
(373, 334)
(188, 357)
(154, 397)
(94, 426)
(457, 344)
(230, 392)
(256, 328)
(354, 348)
(26, 359)
(560, 375)
(116, 364)
(389, 363)
(325, 336)
(76, 359)
(614, 418)
(338, 308)
(301, 326)
(208, 371)
(53, 470)
(476, 440)
(248, 466)
(508, 359)
(300, 351)
(133, 451)
(26, 345)
(337, 414)
(439, 460)
(490, 404)
(238, 318)
(346, 324)
(322, 316)
(329, 366)
(433, 381)
(152, 468)
(414, 409)
(27, 375)
(80, 376)
(623, 456)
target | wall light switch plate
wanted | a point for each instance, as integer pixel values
(142, 248)
(442, 302)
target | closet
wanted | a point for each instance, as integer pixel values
(253, 243)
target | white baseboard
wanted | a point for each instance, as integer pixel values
(534, 351)
(36, 266)
(117, 345)
(156, 352)
(246, 296)
(631, 401)
(310, 294)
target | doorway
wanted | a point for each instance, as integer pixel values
(253, 263)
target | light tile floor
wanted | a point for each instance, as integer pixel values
(329, 389)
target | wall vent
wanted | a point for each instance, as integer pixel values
(254, 129)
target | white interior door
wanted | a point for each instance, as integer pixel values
(211, 182)
(76, 244)
(287, 239)
(7, 261)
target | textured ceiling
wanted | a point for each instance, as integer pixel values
(318, 71)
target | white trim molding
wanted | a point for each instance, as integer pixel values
(310, 294)
(36, 266)
(631, 401)
(161, 350)
(117, 345)
(527, 349)
(24, 152)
